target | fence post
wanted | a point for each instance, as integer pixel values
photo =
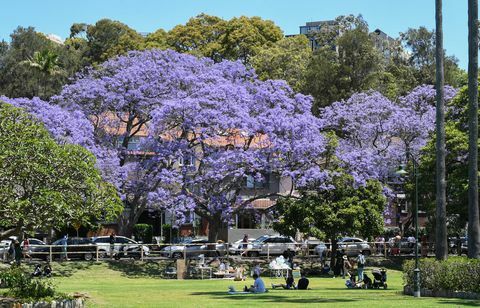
(268, 251)
(50, 253)
(385, 248)
(96, 253)
(141, 252)
(185, 253)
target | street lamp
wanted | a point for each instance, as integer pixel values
(416, 271)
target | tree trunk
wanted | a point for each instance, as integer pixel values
(473, 211)
(441, 248)
(217, 229)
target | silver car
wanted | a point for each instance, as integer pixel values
(192, 248)
(353, 246)
(271, 244)
(121, 242)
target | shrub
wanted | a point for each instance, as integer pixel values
(22, 285)
(143, 232)
(454, 274)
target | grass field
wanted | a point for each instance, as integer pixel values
(139, 285)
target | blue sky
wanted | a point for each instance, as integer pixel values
(392, 16)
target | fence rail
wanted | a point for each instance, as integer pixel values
(217, 250)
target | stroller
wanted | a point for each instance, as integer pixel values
(379, 278)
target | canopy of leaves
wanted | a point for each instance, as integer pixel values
(46, 185)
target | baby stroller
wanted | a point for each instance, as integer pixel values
(379, 278)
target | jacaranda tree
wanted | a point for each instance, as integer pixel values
(218, 117)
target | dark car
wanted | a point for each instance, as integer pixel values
(77, 248)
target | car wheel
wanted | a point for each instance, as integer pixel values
(88, 256)
(253, 254)
(366, 252)
(102, 254)
(384, 286)
(177, 255)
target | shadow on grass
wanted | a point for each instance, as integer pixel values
(269, 297)
(67, 269)
(460, 302)
(133, 269)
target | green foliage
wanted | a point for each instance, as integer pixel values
(454, 274)
(143, 233)
(344, 209)
(167, 228)
(32, 65)
(45, 185)
(23, 286)
(421, 43)
(286, 59)
(456, 129)
(352, 65)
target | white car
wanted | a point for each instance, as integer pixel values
(272, 244)
(237, 247)
(121, 242)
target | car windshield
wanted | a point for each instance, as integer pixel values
(261, 239)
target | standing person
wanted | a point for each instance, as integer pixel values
(26, 246)
(338, 262)
(64, 243)
(18, 252)
(112, 244)
(346, 265)
(360, 265)
(244, 244)
(303, 282)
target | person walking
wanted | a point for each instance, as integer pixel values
(360, 265)
(64, 244)
(112, 244)
(18, 252)
(244, 245)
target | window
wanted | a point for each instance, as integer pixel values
(102, 240)
(252, 182)
(189, 161)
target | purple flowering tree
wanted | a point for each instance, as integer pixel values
(375, 132)
(205, 128)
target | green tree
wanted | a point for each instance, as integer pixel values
(245, 35)
(343, 210)
(157, 39)
(45, 185)
(421, 44)
(44, 62)
(106, 38)
(200, 36)
(286, 59)
(336, 73)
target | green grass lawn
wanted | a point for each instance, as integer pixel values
(139, 285)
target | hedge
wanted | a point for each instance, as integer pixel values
(455, 274)
(143, 233)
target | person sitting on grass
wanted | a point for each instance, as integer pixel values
(37, 272)
(47, 270)
(303, 282)
(289, 282)
(366, 283)
(258, 285)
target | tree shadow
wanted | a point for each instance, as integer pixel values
(457, 302)
(269, 297)
(133, 269)
(67, 269)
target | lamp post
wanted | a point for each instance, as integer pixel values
(416, 271)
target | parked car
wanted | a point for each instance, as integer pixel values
(35, 249)
(122, 245)
(237, 247)
(271, 244)
(77, 248)
(353, 246)
(452, 245)
(408, 248)
(192, 248)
